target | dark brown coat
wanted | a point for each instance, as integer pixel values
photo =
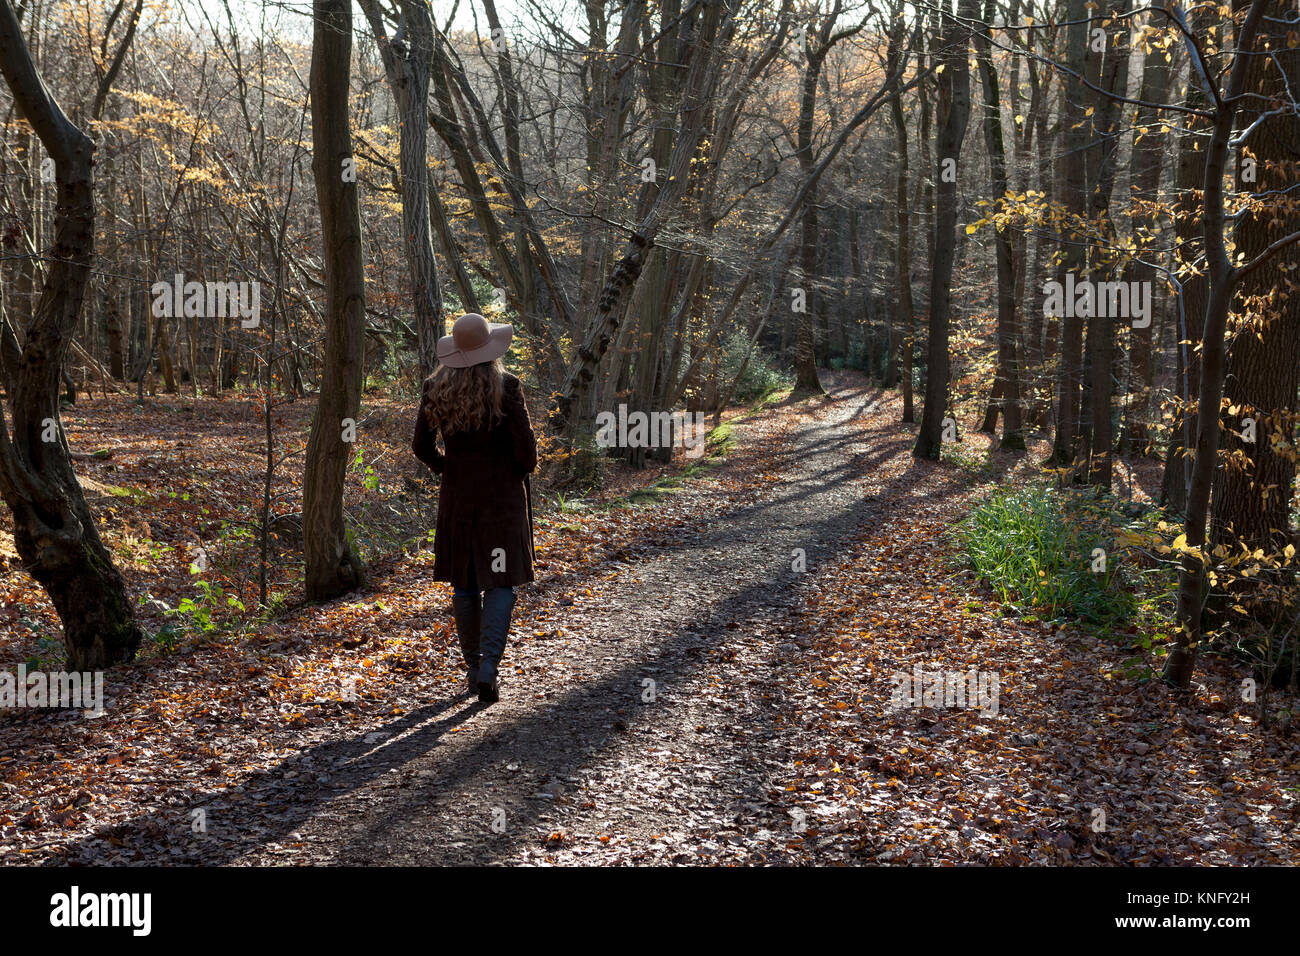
(482, 505)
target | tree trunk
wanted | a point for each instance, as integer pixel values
(805, 348)
(165, 358)
(1036, 346)
(115, 329)
(905, 321)
(1190, 302)
(663, 88)
(1253, 491)
(1069, 376)
(1007, 385)
(1148, 161)
(610, 95)
(1111, 77)
(954, 114)
(333, 566)
(407, 71)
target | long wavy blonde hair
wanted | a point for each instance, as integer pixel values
(463, 399)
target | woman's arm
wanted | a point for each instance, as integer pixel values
(522, 440)
(424, 443)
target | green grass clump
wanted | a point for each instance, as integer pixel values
(1035, 546)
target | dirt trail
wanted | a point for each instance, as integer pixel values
(645, 737)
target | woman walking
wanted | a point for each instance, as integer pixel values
(483, 542)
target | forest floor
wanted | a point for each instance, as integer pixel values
(702, 678)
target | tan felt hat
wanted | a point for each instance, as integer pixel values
(473, 340)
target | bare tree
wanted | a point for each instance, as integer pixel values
(333, 565)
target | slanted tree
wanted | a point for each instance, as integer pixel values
(704, 56)
(473, 146)
(54, 531)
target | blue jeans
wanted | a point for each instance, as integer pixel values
(497, 605)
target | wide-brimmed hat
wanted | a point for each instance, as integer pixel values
(473, 340)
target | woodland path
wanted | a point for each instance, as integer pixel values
(585, 767)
